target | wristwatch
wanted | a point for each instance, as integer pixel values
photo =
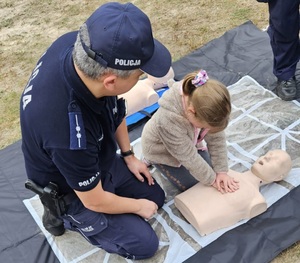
(127, 153)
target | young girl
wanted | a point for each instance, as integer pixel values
(191, 110)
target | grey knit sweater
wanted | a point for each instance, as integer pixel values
(168, 138)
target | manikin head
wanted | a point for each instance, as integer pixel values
(163, 81)
(273, 166)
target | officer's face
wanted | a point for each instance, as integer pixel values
(123, 85)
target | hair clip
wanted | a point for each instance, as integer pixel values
(200, 78)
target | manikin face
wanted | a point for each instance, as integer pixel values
(273, 166)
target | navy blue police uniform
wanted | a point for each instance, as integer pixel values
(284, 36)
(68, 137)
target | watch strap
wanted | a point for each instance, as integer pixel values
(127, 153)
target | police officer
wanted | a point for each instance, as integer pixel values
(285, 43)
(72, 122)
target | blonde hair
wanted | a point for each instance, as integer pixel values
(211, 101)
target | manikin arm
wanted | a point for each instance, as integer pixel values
(258, 209)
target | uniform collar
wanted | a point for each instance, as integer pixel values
(82, 92)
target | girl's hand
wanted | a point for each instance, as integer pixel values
(225, 183)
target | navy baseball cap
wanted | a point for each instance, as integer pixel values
(121, 38)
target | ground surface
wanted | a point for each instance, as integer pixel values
(27, 27)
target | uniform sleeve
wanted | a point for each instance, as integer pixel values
(80, 168)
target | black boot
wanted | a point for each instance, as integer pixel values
(53, 225)
(286, 89)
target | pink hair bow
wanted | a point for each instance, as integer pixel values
(200, 78)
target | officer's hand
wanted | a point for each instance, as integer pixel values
(138, 168)
(147, 208)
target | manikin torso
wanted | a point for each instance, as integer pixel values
(209, 210)
(143, 93)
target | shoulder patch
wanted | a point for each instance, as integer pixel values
(77, 131)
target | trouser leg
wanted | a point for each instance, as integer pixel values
(180, 177)
(284, 37)
(128, 235)
(127, 185)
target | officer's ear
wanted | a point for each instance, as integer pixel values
(109, 82)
